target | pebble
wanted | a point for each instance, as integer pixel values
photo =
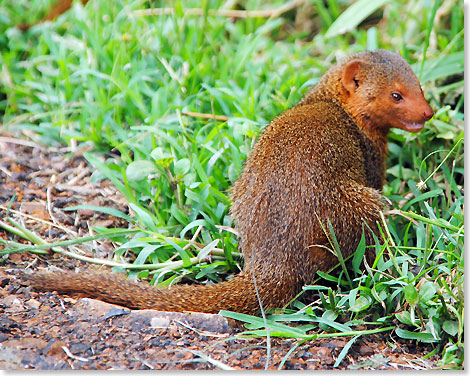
(33, 303)
(13, 304)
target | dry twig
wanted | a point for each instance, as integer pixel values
(205, 116)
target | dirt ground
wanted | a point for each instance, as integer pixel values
(49, 331)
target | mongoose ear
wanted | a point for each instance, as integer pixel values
(350, 78)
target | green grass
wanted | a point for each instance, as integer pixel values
(101, 76)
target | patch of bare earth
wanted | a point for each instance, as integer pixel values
(50, 331)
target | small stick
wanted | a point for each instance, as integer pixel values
(206, 116)
(16, 141)
(74, 357)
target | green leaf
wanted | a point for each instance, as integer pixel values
(353, 16)
(207, 249)
(189, 226)
(327, 320)
(379, 292)
(436, 222)
(258, 322)
(334, 243)
(411, 294)
(361, 303)
(183, 254)
(139, 170)
(401, 172)
(145, 217)
(102, 209)
(179, 214)
(422, 197)
(106, 171)
(359, 254)
(327, 276)
(200, 171)
(406, 334)
(182, 167)
(441, 66)
(145, 253)
(427, 291)
(451, 327)
(405, 318)
(345, 350)
(161, 156)
(444, 130)
(329, 314)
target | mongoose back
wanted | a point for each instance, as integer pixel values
(56, 10)
(322, 160)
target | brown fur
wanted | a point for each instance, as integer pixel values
(323, 160)
(56, 10)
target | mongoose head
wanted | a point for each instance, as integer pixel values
(381, 91)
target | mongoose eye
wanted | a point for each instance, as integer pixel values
(396, 97)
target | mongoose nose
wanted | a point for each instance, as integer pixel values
(428, 114)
